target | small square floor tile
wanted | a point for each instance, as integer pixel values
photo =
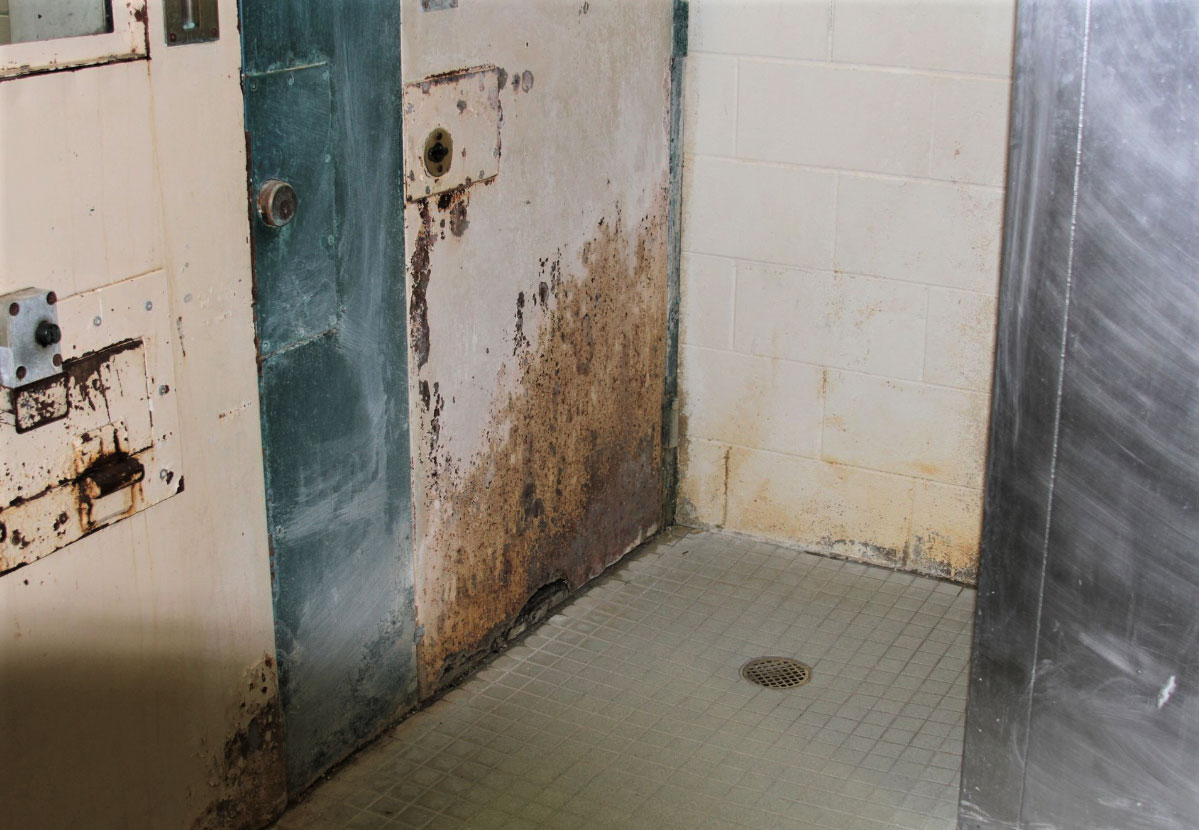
(626, 708)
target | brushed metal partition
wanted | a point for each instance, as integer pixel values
(1083, 709)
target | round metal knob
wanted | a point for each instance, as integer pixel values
(277, 203)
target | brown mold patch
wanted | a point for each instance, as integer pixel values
(568, 478)
(934, 554)
(247, 774)
(870, 552)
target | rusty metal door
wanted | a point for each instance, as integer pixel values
(322, 92)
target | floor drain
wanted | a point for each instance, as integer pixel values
(776, 672)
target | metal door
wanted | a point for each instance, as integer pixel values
(322, 92)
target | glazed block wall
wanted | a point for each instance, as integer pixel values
(843, 199)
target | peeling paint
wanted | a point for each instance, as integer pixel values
(568, 477)
(418, 303)
(458, 221)
(77, 480)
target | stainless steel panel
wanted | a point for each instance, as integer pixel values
(1041, 170)
(1108, 737)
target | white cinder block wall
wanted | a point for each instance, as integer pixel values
(843, 199)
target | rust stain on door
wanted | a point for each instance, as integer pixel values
(568, 477)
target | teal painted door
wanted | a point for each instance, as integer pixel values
(322, 92)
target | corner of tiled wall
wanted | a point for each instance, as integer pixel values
(843, 199)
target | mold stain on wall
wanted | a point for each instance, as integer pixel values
(568, 475)
(247, 775)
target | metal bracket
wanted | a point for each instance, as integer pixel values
(451, 131)
(191, 21)
(30, 340)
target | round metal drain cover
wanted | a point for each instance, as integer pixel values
(776, 672)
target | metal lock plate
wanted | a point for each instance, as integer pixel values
(463, 108)
(30, 348)
(98, 441)
(191, 21)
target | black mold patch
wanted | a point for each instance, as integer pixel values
(248, 774)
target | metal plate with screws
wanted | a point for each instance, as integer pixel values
(191, 21)
(70, 440)
(776, 672)
(451, 131)
(30, 338)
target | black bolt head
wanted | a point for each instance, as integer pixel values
(47, 334)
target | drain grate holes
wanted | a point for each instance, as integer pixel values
(776, 672)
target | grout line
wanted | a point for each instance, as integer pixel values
(857, 372)
(724, 513)
(731, 343)
(908, 477)
(996, 189)
(822, 63)
(736, 105)
(823, 413)
(836, 219)
(841, 272)
(932, 128)
(928, 301)
(832, 21)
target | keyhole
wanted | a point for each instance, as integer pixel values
(439, 152)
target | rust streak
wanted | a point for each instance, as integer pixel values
(418, 308)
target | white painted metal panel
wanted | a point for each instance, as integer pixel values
(76, 470)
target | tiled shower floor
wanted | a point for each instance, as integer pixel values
(626, 709)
